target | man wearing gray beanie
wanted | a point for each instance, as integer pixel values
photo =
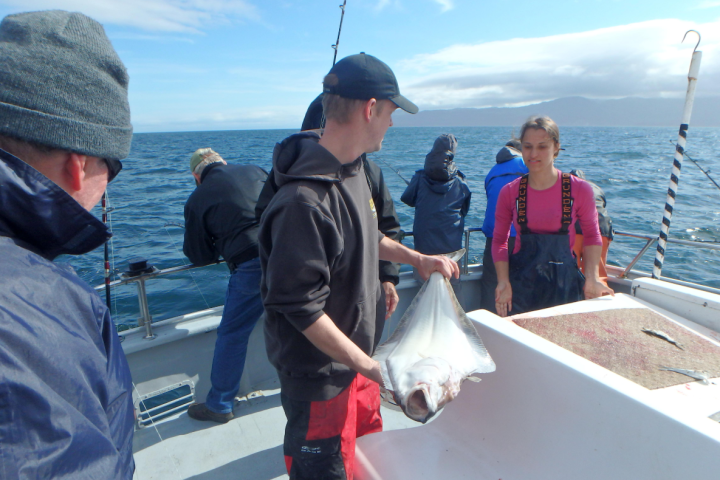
(65, 400)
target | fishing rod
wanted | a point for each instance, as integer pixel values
(394, 170)
(706, 172)
(107, 252)
(337, 42)
(677, 160)
(335, 48)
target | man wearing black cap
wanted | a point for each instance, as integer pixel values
(65, 390)
(319, 249)
(388, 221)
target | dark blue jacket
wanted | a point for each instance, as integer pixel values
(65, 400)
(509, 167)
(440, 210)
(441, 199)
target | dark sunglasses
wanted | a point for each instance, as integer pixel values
(114, 167)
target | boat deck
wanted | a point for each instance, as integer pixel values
(248, 447)
(545, 413)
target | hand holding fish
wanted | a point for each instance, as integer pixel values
(427, 264)
(391, 299)
(503, 298)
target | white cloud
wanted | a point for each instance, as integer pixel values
(642, 59)
(709, 4)
(446, 4)
(184, 16)
(382, 4)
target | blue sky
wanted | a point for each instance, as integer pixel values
(231, 64)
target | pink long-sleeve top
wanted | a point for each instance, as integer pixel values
(544, 214)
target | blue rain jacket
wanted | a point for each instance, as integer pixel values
(441, 199)
(509, 166)
(65, 401)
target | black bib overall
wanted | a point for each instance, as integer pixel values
(544, 273)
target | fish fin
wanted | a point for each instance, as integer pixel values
(387, 382)
(384, 350)
(485, 361)
(474, 379)
(456, 255)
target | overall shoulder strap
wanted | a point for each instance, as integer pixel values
(521, 205)
(567, 204)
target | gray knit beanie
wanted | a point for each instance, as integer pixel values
(62, 84)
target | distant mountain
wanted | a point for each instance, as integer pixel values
(574, 111)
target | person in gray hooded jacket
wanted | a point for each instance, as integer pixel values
(441, 199)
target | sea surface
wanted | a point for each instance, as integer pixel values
(632, 165)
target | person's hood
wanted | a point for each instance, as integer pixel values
(439, 163)
(314, 114)
(301, 157)
(441, 187)
(45, 218)
(506, 154)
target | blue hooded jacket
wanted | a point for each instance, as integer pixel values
(509, 166)
(441, 199)
(65, 400)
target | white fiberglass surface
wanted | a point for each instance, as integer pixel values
(547, 413)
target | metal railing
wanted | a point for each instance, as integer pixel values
(146, 319)
(651, 240)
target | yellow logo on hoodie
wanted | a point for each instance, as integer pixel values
(372, 208)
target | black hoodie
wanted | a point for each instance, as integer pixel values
(318, 245)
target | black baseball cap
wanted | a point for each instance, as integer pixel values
(363, 77)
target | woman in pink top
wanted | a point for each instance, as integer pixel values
(543, 205)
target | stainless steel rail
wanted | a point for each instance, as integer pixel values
(146, 318)
(650, 240)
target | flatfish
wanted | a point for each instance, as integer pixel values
(432, 351)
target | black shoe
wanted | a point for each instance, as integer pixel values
(199, 411)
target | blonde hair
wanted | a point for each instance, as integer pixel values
(339, 109)
(538, 122)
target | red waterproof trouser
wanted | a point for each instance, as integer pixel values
(320, 436)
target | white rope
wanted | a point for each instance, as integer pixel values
(152, 422)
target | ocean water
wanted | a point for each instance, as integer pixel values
(632, 165)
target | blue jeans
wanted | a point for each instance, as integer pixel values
(243, 308)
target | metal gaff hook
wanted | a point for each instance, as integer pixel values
(698, 42)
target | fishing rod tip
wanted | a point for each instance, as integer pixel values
(699, 38)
